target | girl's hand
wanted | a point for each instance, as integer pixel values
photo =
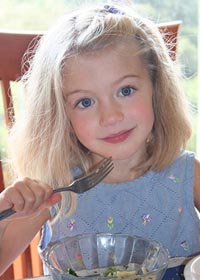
(27, 197)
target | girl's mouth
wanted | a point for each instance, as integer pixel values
(118, 137)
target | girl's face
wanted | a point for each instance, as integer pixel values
(109, 101)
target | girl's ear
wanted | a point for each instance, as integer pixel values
(149, 138)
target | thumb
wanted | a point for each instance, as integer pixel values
(53, 199)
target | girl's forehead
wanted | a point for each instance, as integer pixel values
(104, 67)
(123, 46)
(122, 50)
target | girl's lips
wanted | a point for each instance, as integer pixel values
(118, 137)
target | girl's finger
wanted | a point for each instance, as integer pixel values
(35, 193)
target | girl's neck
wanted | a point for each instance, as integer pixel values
(124, 170)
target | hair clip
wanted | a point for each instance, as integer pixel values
(113, 10)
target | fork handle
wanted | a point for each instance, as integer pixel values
(63, 189)
(6, 213)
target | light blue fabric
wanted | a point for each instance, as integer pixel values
(158, 205)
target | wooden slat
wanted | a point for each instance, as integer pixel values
(1, 177)
(36, 262)
(7, 101)
(23, 265)
(9, 274)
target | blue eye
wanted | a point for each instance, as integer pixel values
(85, 103)
(126, 91)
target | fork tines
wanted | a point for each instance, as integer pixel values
(104, 169)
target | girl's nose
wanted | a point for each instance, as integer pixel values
(111, 115)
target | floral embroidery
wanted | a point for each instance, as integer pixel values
(185, 246)
(110, 223)
(180, 210)
(146, 218)
(79, 257)
(71, 224)
(174, 178)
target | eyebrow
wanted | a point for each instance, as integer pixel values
(115, 82)
(125, 77)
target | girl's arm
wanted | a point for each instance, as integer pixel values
(197, 184)
(17, 236)
(30, 199)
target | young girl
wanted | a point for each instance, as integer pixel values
(102, 84)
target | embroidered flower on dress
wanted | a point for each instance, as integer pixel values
(185, 246)
(71, 224)
(174, 178)
(79, 257)
(110, 223)
(146, 218)
(180, 210)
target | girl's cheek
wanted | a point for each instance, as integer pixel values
(85, 131)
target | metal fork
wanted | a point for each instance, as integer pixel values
(80, 185)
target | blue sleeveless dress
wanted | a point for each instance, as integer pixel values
(157, 205)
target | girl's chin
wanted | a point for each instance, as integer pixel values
(115, 156)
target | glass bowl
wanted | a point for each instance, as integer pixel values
(93, 256)
(192, 269)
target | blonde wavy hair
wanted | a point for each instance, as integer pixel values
(42, 143)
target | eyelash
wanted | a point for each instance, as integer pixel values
(129, 87)
(80, 105)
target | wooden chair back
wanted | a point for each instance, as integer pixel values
(12, 48)
(170, 31)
